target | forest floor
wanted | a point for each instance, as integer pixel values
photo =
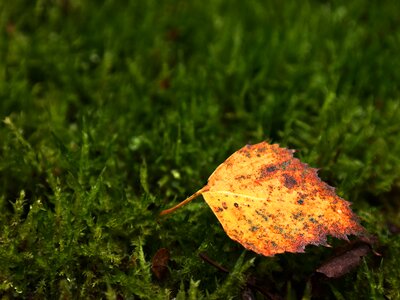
(112, 112)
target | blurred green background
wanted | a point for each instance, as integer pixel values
(115, 110)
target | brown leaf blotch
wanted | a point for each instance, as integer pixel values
(242, 177)
(262, 215)
(299, 215)
(289, 181)
(253, 228)
(266, 171)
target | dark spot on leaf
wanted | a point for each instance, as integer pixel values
(312, 220)
(267, 170)
(224, 205)
(300, 201)
(247, 153)
(253, 228)
(242, 177)
(262, 215)
(236, 205)
(218, 209)
(262, 149)
(289, 182)
(298, 215)
(285, 164)
(279, 229)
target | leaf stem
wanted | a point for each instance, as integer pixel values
(187, 200)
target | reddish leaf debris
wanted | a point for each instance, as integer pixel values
(159, 263)
(348, 259)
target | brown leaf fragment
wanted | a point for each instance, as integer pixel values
(345, 262)
(159, 263)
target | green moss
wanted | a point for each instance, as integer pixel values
(114, 111)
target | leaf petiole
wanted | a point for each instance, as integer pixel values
(187, 200)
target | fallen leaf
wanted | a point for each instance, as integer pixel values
(159, 263)
(271, 203)
(344, 262)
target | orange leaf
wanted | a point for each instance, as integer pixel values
(271, 203)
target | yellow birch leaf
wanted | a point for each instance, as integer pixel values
(271, 203)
